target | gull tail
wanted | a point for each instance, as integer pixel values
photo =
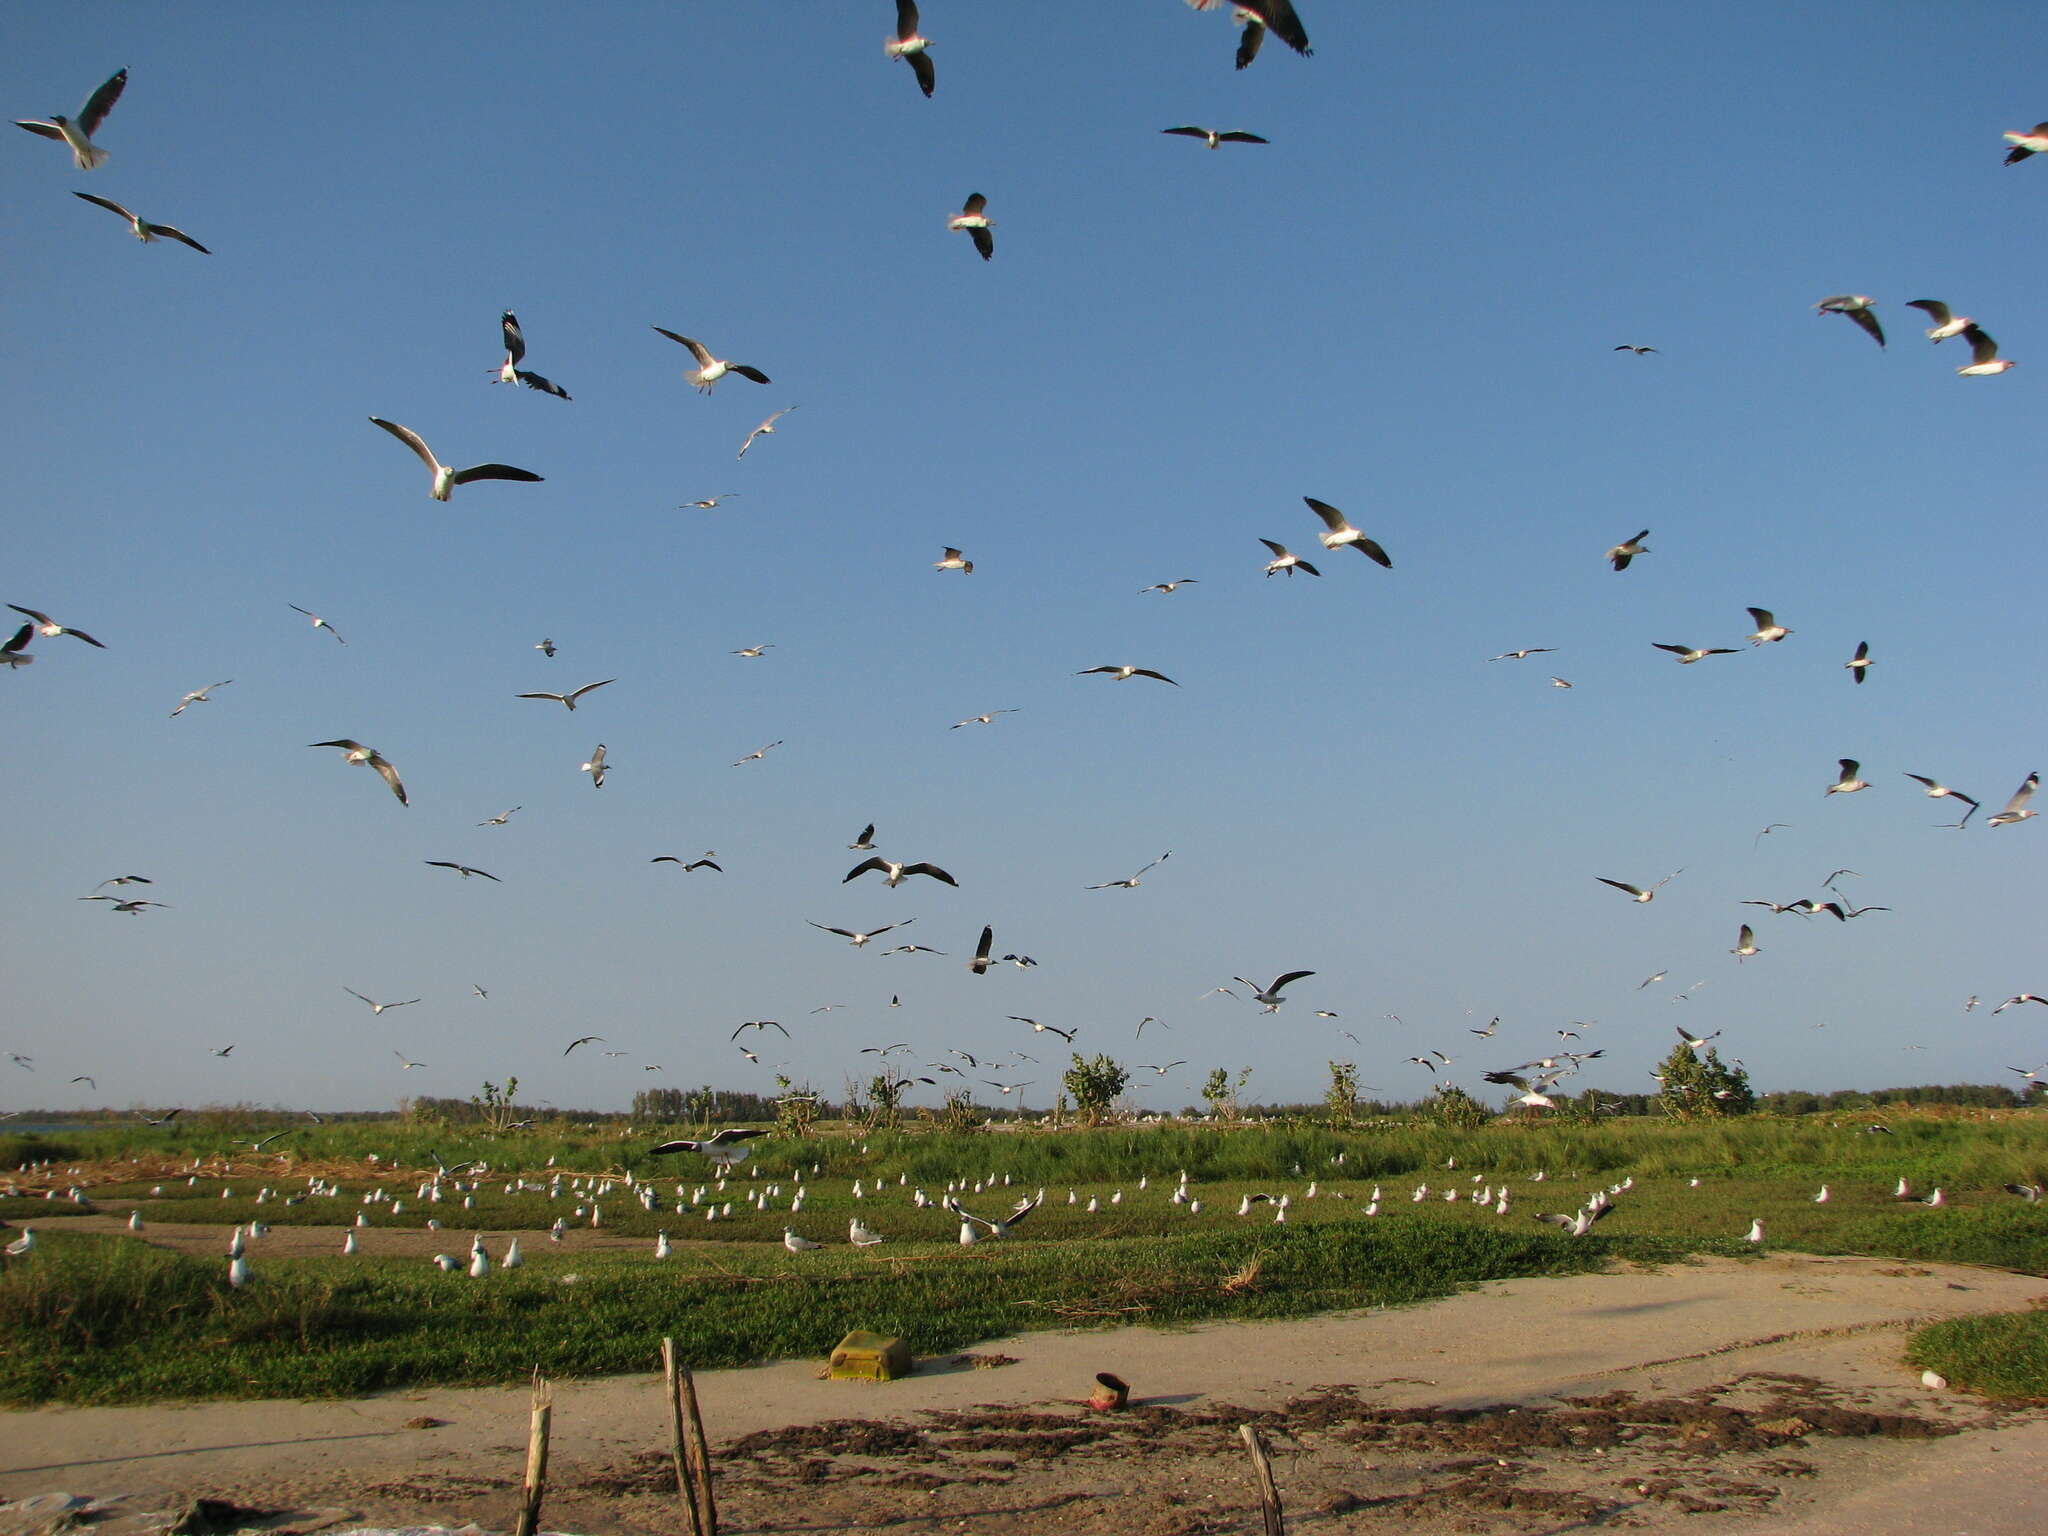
(91, 158)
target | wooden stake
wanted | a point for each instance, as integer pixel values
(685, 1489)
(697, 1454)
(1262, 1469)
(536, 1459)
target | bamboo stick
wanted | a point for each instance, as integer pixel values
(685, 1489)
(1262, 1469)
(536, 1459)
(697, 1452)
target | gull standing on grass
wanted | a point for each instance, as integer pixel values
(85, 154)
(711, 369)
(356, 752)
(145, 231)
(445, 478)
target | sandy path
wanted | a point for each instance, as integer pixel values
(1665, 1334)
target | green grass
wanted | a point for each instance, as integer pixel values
(2003, 1355)
(108, 1319)
(105, 1319)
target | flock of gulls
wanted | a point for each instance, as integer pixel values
(1333, 532)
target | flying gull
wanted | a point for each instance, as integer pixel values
(1215, 139)
(318, 622)
(85, 154)
(1857, 307)
(568, 699)
(509, 371)
(50, 629)
(910, 47)
(711, 369)
(446, 479)
(144, 230)
(356, 752)
(976, 223)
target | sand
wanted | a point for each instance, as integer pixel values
(1765, 1394)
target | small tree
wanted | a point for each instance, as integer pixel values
(1220, 1093)
(794, 1109)
(882, 1109)
(1702, 1087)
(1456, 1109)
(494, 1106)
(1342, 1097)
(1095, 1085)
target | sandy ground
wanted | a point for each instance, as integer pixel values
(1766, 1395)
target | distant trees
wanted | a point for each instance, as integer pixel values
(1220, 1092)
(1455, 1108)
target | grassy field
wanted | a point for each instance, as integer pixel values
(106, 1318)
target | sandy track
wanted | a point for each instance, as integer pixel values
(1759, 1356)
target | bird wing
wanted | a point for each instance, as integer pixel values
(101, 102)
(177, 234)
(2023, 794)
(494, 472)
(1372, 551)
(1184, 131)
(863, 867)
(515, 339)
(926, 869)
(1982, 348)
(588, 686)
(974, 205)
(1147, 672)
(51, 131)
(558, 698)
(1867, 320)
(1279, 16)
(1937, 311)
(984, 242)
(1620, 885)
(697, 348)
(1290, 976)
(749, 371)
(1676, 650)
(1248, 46)
(1239, 136)
(545, 386)
(1279, 550)
(1334, 520)
(1849, 767)
(412, 440)
(389, 775)
(107, 203)
(906, 18)
(988, 938)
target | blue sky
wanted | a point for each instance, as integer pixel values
(1405, 305)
